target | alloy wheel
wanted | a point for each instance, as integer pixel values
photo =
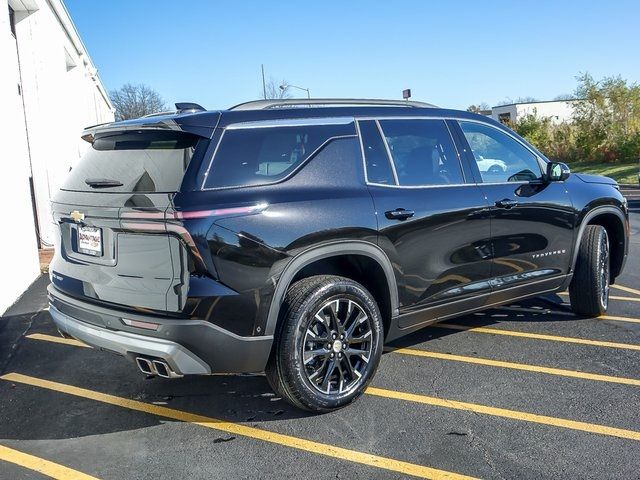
(337, 346)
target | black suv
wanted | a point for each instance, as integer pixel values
(296, 237)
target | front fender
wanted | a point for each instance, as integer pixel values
(604, 215)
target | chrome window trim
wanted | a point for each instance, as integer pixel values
(280, 180)
(296, 122)
(293, 122)
(390, 158)
(444, 185)
(541, 161)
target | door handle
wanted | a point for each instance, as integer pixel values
(399, 214)
(506, 203)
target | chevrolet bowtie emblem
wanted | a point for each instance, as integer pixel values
(77, 216)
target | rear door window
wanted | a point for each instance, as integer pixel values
(260, 154)
(135, 161)
(423, 152)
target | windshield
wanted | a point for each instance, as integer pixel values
(137, 161)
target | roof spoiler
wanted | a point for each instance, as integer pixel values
(150, 123)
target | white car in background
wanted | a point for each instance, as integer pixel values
(491, 165)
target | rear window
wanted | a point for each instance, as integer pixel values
(266, 154)
(136, 161)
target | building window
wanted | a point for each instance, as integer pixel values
(504, 118)
(12, 21)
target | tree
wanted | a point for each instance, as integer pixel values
(273, 90)
(607, 118)
(135, 101)
(564, 96)
(484, 106)
(509, 100)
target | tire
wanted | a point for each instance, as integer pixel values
(589, 288)
(315, 312)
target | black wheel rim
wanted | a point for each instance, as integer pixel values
(337, 347)
(604, 271)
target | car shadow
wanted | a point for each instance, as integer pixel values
(36, 413)
(549, 308)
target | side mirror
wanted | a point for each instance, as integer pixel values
(557, 171)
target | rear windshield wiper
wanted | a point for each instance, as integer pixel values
(102, 183)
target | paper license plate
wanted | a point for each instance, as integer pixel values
(90, 240)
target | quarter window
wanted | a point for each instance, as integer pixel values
(423, 152)
(500, 158)
(259, 155)
(375, 154)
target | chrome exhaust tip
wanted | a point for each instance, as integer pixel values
(146, 366)
(163, 369)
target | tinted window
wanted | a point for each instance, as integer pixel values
(141, 161)
(423, 152)
(12, 21)
(375, 154)
(253, 156)
(500, 157)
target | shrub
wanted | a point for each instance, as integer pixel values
(605, 125)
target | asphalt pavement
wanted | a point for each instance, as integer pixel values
(524, 391)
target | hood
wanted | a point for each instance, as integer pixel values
(585, 177)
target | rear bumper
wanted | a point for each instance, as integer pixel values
(190, 347)
(181, 360)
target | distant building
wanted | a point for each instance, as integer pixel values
(49, 91)
(558, 110)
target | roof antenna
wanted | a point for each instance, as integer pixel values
(188, 107)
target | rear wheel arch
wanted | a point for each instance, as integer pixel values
(613, 220)
(360, 261)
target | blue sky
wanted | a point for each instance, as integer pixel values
(451, 53)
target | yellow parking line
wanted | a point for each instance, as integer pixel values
(504, 413)
(328, 450)
(538, 336)
(549, 315)
(611, 297)
(626, 289)
(460, 358)
(619, 319)
(54, 339)
(41, 465)
(627, 299)
(518, 366)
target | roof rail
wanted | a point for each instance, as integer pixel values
(302, 102)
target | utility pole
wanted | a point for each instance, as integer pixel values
(264, 85)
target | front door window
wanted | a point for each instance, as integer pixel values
(500, 158)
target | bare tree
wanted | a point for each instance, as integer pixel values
(274, 90)
(509, 100)
(134, 101)
(481, 107)
(565, 96)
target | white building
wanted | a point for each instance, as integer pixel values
(558, 110)
(49, 91)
